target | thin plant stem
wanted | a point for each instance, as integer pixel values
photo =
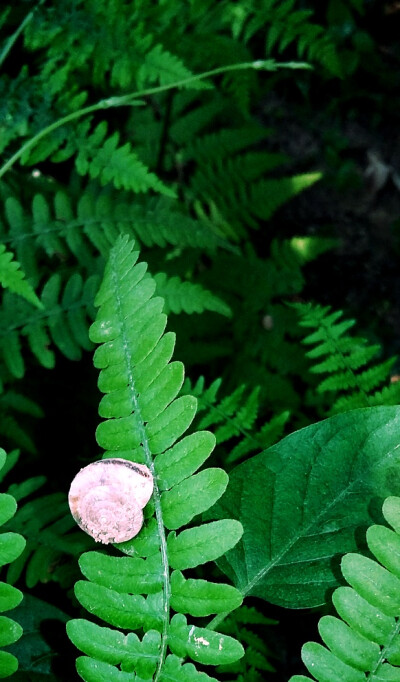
(127, 100)
(10, 42)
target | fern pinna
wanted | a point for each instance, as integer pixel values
(365, 644)
(143, 422)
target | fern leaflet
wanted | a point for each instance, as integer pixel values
(143, 422)
(13, 278)
(235, 415)
(104, 159)
(188, 297)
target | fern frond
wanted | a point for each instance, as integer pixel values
(246, 196)
(143, 422)
(185, 296)
(13, 278)
(160, 66)
(101, 157)
(363, 643)
(346, 360)
(283, 26)
(11, 546)
(61, 228)
(62, 321)
(235, 415)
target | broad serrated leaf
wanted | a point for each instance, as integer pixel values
(288, 552)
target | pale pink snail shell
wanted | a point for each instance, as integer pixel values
(106, 499)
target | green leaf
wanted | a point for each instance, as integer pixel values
(113, 647)
(13, 278)
(202, 645)
(8, 507)
(192, 496)
(301, 501)
(11, 546)
(123, 574)
(122, 610)
(184, 458)
(10, 631)
(201, 597)
(173, 670)
(92, 670)
(10, 597)
(8, 664)
(204, 543)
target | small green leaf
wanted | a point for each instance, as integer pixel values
(8, 507)
(111, 646)
(351, 647)
(174, 671)
(192, 496)
(204, 543)
(202, 598)
(163, 431)
(183, 459)
(10, 631)
(361, 616)
(8, 664)
(122, 610)
(326, 666)
(13, 278)
(373, 582)
(10, 597)
(11, 546)
(123, 574)
(202, 645)
(92, 670)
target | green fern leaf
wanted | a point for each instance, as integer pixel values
(346, 360)
(11, 546)
(13, 278)
(144, 419)
(363, 643)
(63, 321)
(160, 66)
(102, 158)
(188, 297)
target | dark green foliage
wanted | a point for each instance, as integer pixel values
(351, 377)
(165, 125)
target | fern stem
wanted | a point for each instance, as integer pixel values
(127, 100)
(156, 493)
(12, 39)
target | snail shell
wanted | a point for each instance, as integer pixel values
(106, 499)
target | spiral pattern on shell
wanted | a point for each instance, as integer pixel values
(106, 499)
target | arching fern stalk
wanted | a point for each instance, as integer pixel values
(143, 421)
